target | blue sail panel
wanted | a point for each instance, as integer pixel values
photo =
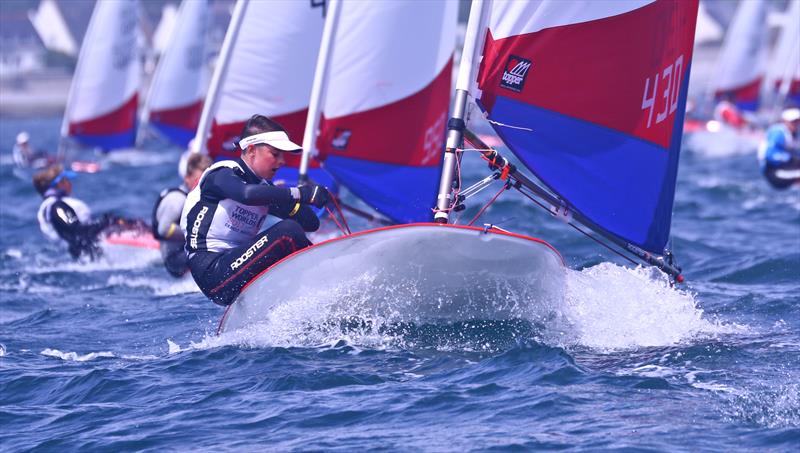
(595, 96)
(402, 193)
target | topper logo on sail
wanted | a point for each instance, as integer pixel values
(341, 138)
(515, 73)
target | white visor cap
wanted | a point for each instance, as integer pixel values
(277, 139)
(791, 115)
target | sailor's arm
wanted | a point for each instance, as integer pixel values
(303, 214)
(223, 183)
(80, 237)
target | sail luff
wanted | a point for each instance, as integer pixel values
(473, 40)
(218, 78)
(318, 87)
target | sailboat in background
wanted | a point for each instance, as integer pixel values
(175, 98)
(103, 99)
(605, 142)
(784, 74)
(743, 58)
(383, 102)
(266, 70)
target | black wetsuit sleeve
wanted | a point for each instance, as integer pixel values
(81, 237)
(223, 183)
(305, 216)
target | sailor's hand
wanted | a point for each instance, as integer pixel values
(314, 195)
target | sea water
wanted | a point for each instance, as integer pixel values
(116, 355)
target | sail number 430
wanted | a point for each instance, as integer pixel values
(671, 75)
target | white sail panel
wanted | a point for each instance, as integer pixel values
(510, 18)
(396, 60)
(272, 64)
(109, 68)
(182, 78)
(743, 58)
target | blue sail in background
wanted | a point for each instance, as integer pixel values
(596, 94)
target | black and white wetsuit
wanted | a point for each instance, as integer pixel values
(69, 219)
(222, 220)
(166, 228)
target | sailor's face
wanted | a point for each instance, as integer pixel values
(266, 161)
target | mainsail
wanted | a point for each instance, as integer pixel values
(175, 98)
(385, 108)
(785, 66)
(268, 71)
(590, 95)
(101, 108)
(743, 57)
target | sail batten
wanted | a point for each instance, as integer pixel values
(599, 114)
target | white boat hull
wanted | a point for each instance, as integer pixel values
(411, 273)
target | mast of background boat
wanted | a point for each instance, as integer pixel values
(212, 98)
(318, 87)
(473, 47)
(62, 146)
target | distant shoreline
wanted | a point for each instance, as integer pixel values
(34, 95)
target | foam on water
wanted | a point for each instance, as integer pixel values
(606, 307)
(75, 357)
(611, 307)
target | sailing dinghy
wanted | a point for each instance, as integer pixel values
(102, 103)
(545, 68)
(175, 97)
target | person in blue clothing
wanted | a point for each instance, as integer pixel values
(779, 154)
(223, 215)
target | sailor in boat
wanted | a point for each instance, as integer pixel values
(167, 216)
(223, 215)
(65, 218)
(26, 157)
(779, 153)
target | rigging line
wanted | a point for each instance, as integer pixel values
(333, 217)
(592, 237)
(341, 214)
(502, 189)
(509, 125)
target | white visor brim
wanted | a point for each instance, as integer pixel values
(276, 139)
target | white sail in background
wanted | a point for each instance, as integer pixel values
(175, 98)
(101, 109)
(269, 71)
(784, 70)
(743, 59)
(386, 101)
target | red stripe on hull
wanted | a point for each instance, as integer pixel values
(186, 117)
(117, 121)
(602, 71)
(380, 134)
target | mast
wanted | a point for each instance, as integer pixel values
(318, 87)
(473, 48)
(212, 98)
